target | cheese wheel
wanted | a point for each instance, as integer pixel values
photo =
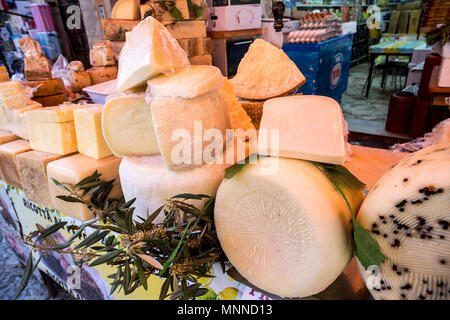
(149, 181)
(407, 212)
(182, 124)
(127, 126)
(284, 227)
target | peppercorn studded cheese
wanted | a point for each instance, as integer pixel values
(32, 167)
(88, 128)
(303, 127)
(149, 181)
(72, 170)
(13, 94)
(128, 127)
(149, 50)
(8, 164)
(52, 129)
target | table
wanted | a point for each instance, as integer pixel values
(389, 48)
(367, 164)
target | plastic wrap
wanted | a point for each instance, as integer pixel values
(439, 134)
(31, 48)
(61, 70)
(37, 69)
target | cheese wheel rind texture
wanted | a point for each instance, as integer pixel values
(149, 181)
(259, 78)
(187, 82)
(127, 126)
(150, 49)
(287, 233)
(407, 213)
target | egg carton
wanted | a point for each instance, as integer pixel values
(309, 36)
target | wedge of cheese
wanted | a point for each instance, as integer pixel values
(149, 181)
(32, 167)
(126, 9)
(149, 50)
(47, 87)
(73, 169)
(284, 226)
(128, 127)
(8, 165)
(266, 72)
(238, 117)
(190, 132)
(187, 82)
(88, 128)
(303, 127)
(4, 75)
(13, 94)
(52, 129)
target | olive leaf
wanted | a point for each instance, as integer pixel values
(105, 258)
(51, 229)
(29, 269)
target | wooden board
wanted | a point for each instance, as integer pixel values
(234, 34)
(414, 21)
(46, 87)
(369, 164)
(393, 22)
(403, 21)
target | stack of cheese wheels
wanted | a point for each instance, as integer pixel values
(280, 220)
(168, 121)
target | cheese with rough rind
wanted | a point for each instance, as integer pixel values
(128, 127)
(181, 137)
(284, 226)
(8, 165)
(407, 213)
(150, 49)
(88, 128)
(32, 167)
(73, 169)
(102, 74)
(187, 82)
(149, 181)
(303, 127)
(126, 9)
(266, 72)
(13, 94)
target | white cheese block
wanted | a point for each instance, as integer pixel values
(127, 126)
(150, 49)
(149, 181)
(303, 127)
(181, 125)
(284, 227)
(407, 212)
(126, 9)
(187, 82)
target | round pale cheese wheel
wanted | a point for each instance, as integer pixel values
(407, 213)
(284, 227)
(149, 181)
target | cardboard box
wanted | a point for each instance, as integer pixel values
(403, 22)
(414, 21)
(394, 21)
